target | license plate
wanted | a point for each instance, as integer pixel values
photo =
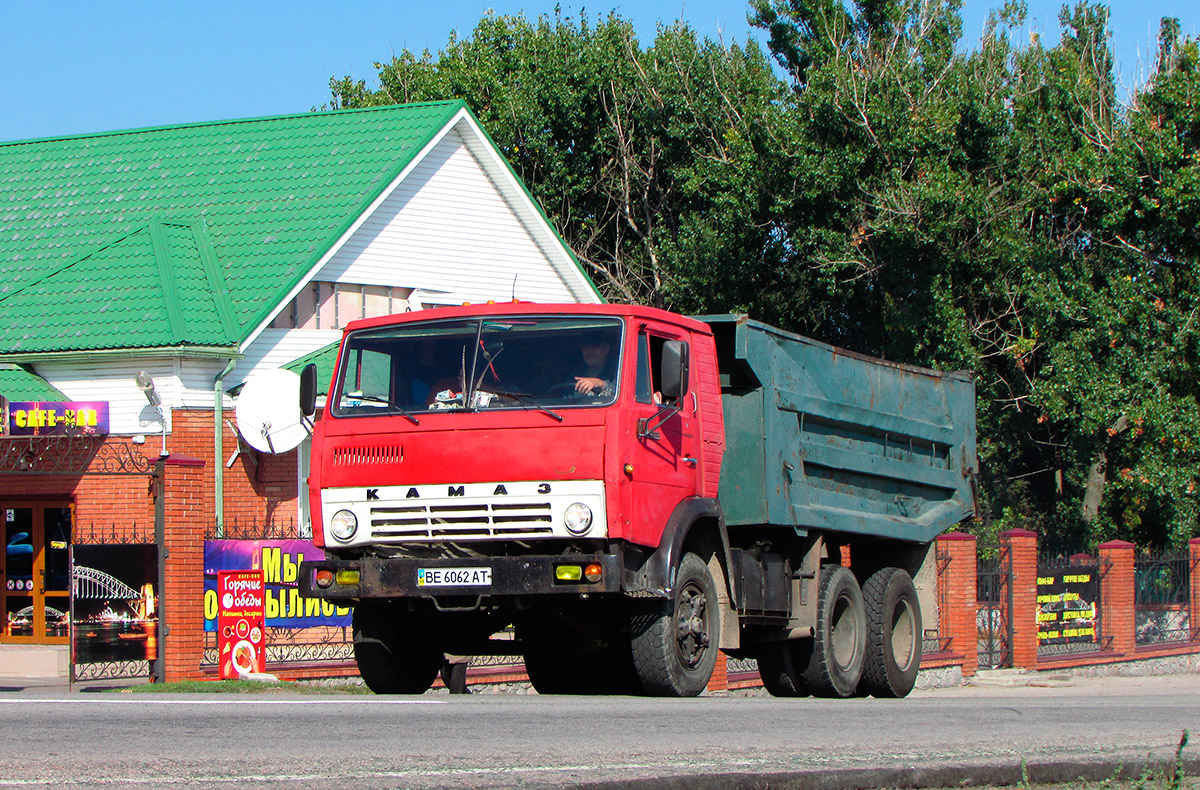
(454, 577)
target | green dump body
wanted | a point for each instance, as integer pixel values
(820, 438)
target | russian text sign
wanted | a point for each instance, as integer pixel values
(279, 561)
(241, 641)
(1066, 600)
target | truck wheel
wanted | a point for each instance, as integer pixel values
(781, 666)
(893, 634)
(839, 638)
(675, 643)
(391, 658)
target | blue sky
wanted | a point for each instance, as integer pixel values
(77, 66)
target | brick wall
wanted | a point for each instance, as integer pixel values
(1117, 597)
(1022, 547)
(115, 508)
(956, 587)
(188, 510)
(259, 487)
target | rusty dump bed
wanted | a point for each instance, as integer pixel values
(821, 438)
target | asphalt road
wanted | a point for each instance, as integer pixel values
(57, 740)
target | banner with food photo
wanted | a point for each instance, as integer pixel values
(279, 561)
(241, 643)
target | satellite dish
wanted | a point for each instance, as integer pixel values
(268, 412)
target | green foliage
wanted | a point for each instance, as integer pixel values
(639, 156)
(994, 210)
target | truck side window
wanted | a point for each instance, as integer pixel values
(649, 368)
(370, 379)
(645, 391)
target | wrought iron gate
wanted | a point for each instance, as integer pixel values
(993, 618)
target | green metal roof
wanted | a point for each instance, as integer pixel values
(185, 235)
(17, 383)
(325, 359)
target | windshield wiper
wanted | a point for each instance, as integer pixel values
(524, 400)
(374, 399)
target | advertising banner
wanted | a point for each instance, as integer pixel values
(279, 561)
(41, 418)
(1066, 600)
(241, 643)
(114, 605)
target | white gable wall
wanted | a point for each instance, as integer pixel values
(453, 230)
(447, 228)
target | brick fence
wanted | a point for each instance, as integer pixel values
(956, 622)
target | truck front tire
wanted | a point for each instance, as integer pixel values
(893, 634)
(393, 656)
(675, 643)
(839, 638)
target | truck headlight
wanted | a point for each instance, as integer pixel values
(343, 525)
(577, 518)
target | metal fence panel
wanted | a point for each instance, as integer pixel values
(993, 618)
(1162, 598)
(1069, 606)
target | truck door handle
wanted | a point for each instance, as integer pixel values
(687, 459)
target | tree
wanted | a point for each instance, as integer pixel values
(633, 153)
(994, 210)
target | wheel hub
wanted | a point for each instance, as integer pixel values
(691, 626)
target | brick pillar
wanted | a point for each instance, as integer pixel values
(1119, 628)
(187, 510)
(719, 681)
(1194, 582)
(956, 597)
(1021, 545)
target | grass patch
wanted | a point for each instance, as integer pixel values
(244, 687)
(1172, 776)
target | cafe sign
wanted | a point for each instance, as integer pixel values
(50, 418)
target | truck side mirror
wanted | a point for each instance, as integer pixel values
(308, 390)
(674, 369)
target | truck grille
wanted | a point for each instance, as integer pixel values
(477, 520)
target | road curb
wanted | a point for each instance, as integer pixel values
(910, 778)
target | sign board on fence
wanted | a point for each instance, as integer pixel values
(1066, 600)
(114, 603)
(241, 642)
(279, 561)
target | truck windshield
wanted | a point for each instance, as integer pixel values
(524, 362)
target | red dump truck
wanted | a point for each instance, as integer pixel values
(616, 493)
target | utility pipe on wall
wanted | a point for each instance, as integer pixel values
(219, 445)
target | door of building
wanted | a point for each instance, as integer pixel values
(35, 580)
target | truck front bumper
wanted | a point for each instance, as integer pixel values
(396, 577)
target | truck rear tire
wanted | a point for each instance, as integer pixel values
(893, 634)
(839, 638)
(675, 642)
(393, 656)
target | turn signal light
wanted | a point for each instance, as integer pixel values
(592, 573)
(347, 578)
(568, 573)
(323, 578)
